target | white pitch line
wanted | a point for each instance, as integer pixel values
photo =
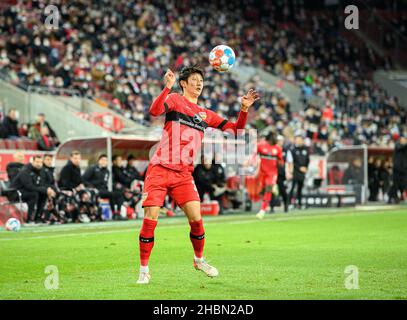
(243, 221)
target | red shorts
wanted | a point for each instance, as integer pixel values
(160, 181)
(268, 179)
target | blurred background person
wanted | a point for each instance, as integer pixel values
(33, 191)
(399, 171)
(10, 125)
(13, 168)
(301, 161)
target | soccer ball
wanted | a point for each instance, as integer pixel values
(13, 224)
(222, 58)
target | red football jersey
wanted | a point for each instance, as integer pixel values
(185, 124)
(270, 156)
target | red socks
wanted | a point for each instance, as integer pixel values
(146, 240)
(266, 200)
(197, 236)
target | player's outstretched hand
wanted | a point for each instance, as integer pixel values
(249, 99)
(169, 79)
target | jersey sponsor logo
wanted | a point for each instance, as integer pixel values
(195, 122)
(197, 119)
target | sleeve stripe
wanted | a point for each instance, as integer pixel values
(166, 107)
(222, 124)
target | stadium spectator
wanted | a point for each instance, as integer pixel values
(130, 170)
(10, 125)
(34, 131)
(284, 174)
(301, 160)
(376, 179)
(203, 179)
(13, 168)
(70, 176)
(97, 177)
(218, 183)
(354, 173)
(210, 179)
(45, 142)
(48, 172)
(120, 179)
(399, 171)
(44, 123)
(29, 183)
(51, 212)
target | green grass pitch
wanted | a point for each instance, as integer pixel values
(302, 255)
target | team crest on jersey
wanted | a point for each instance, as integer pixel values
(274, 152)
(202, 114)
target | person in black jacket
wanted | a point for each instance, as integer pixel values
(203, 177)
(121, 180)
(354, 174)
(70, 177)
(29, 183)
(399, 170)
(282, 168)
(218, 183)
(71, 187)
(301, 160)
(47, 172)
(97, 177)
(130, 170)
(10, 125)
(13, 168)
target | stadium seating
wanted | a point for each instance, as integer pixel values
(18, 144)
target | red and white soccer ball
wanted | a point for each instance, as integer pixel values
(222, 58)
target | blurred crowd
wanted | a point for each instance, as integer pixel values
(119, 50)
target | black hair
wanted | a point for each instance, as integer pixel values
(130, 157)
(114, 158)
(271, 138)
(48, 155)
(186, 72)
(102, 156)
